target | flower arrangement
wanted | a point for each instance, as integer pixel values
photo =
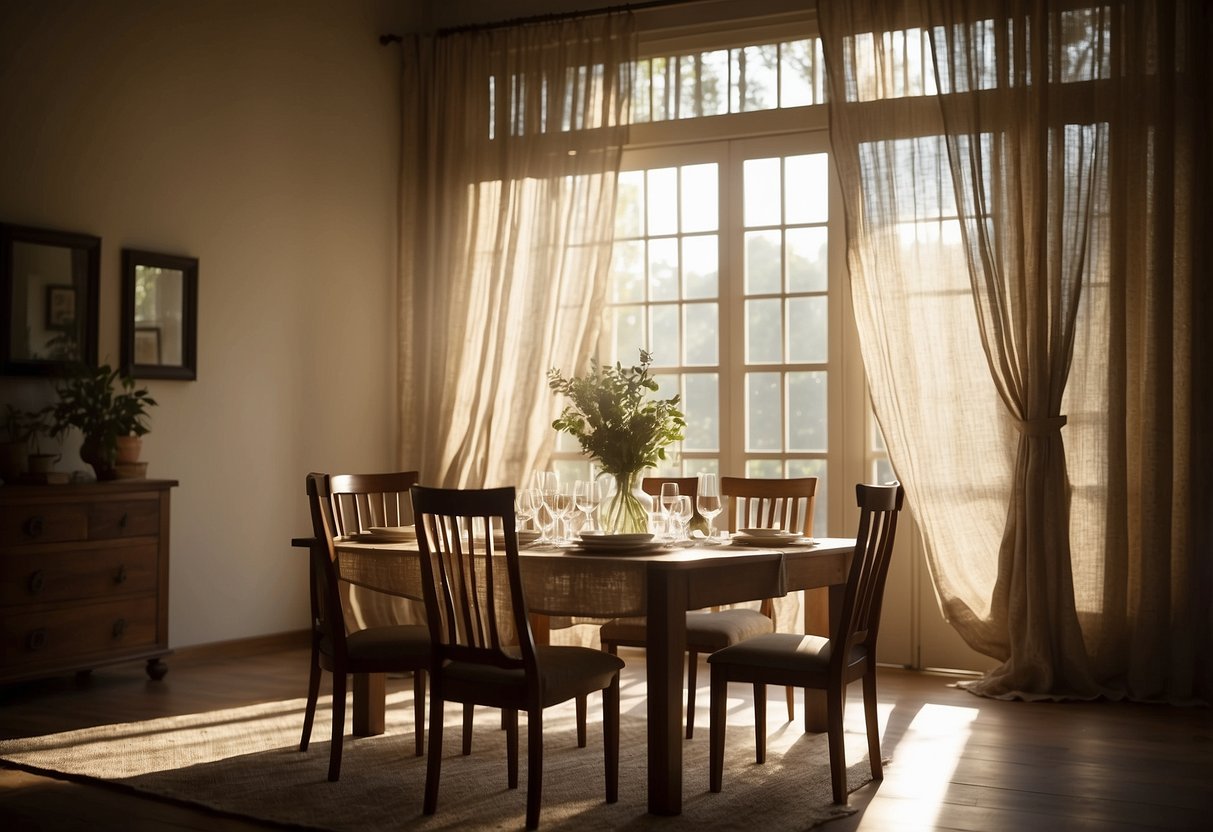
(618, 427)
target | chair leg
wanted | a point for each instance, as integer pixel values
(467, 729)
(339, 680)
(313, 695)
(760, 722)
(534, 766)
(433, 766)
(716, 725)
(835, 696)
(869, 707)
(419, 709)
(581, 719)
(791, 694)
(610, 738)
(692, 672)
(510, 718)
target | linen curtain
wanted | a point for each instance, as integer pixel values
(1021, 261)
(511, 145)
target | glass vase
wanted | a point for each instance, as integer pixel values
(628, 507)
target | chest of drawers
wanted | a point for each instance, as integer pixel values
(83, 577)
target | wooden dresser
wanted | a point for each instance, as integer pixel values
(83, 577)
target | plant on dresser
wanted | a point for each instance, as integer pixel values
(107, 408)
(83, 577)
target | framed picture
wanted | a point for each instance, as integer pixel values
(61, 307)
(147, 345)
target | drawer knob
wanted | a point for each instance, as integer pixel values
(36, 581)
(119, 628)
(34, 526)
(36, 639)
(120, 575)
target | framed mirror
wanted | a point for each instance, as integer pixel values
(49, 289)
(159, 315)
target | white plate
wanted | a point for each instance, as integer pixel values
(402, 532)
(524, 537)
(765, 533)
(603, 539)
(786, 540)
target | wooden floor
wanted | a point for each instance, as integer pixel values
(958, 761)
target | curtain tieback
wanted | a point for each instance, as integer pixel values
(1040, 427)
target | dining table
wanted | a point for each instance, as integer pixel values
(661, 584)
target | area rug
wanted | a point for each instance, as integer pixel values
(245, 761)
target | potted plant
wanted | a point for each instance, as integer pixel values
(106, 407)
(625, 433)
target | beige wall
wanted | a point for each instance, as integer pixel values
(261, 138)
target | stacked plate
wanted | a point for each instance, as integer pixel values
(615, 544)
(386, 534)
(765, 537)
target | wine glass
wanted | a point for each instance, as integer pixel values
(708, 501)
(526, 505)
(561, 503)
(587, 494)
(681, 515)
(669, 496)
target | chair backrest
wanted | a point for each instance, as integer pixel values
(860, 620)
(769, 503)
(470, 574)
(687, 487)
(328, 619)
(361, 501)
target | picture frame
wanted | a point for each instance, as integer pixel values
(147, 345)
(61, 307)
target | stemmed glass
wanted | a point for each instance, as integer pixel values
(561, 504)
(669, 496)
(526, 504)
(708, 501)
(681, 515)
(547, 483)
(586, 496)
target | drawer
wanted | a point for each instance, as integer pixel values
(123, 518)
(46, 577)
(47, 523)
(90, 629)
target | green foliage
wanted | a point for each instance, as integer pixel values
(607, 412)
(102, 404)
(27, 426)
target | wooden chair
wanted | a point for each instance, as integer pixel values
(768, 503)
(827, 664)
(482, 649)
(396, 648)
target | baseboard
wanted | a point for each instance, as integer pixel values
(241, 647)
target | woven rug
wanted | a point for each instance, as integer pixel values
(246, 761)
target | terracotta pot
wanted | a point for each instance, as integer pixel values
(129, 448)
(42, 463)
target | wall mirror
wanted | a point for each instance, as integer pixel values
(159, 315)
(49, 286)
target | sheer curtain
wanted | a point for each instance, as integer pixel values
(1022, 275)
(511, 145)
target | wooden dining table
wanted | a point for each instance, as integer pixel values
(661, 585)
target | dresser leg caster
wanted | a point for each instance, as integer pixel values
(156, 669)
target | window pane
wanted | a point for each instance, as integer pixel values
(641, 87)
(628, 325)
(663, 201)
(702, 335)
(700, 266)
(702, 409)
(686, 87)
(808, 329)
(763, 264)
(668, 384)
(700, 210)
(807, 411)
(807, 258)
(807, 188)
(627, 271)
(714, 83)
(763, 410)
(796, 73)
(764, 331)
(663, 89)
(763, 468)
(664, 334)
(761, 192)
(629, 204)
(754, 73)
(663, 269)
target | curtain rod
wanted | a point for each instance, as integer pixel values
(544, 18)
